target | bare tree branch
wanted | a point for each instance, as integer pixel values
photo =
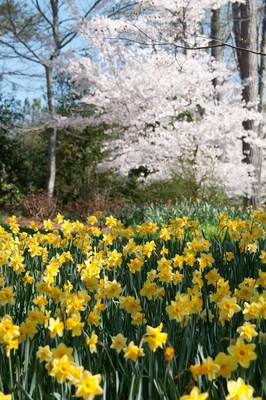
(73, 34)
(19, 54)
(44, 16)
(121, 9)
(179, 46)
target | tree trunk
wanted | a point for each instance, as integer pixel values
(56, 30)
(262, 70)
(216, 52)
(262, 67)
(245, 30)
(52, 133)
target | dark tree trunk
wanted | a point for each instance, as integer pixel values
(216, 52)
(245, 30)
(262, 67)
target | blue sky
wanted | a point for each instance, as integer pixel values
(23, 86)
(31, 83)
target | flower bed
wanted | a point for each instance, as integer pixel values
(156, 312)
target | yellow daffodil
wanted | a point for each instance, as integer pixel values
(226, 363)
(61, 369)
(169, 354)
(195, 395)
(88, 386)
(118, 342)
(44, 354)
(62, 350)
(56, 327)
(8, 330)
(92, 342)
(238, 390)
(74, 324)
(5, 396)
(155, 337)
(242, 353)
(138, 319)
(263, 256)
(247, 331)
(133, 352)
(7, 295)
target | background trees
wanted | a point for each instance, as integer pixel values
(38, 32)
(11, 158)
(159, 83)
(150, 79)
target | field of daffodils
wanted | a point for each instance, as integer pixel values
(106, 311)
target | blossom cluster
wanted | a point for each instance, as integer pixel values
(158, 96)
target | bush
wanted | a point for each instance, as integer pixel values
(39, 205)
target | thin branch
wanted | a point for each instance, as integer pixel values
(37, 5)
(19, 38)
(72, 35)
(119, 10)
(35, 128)
(19, 73)
(220, 44)
(19, 54)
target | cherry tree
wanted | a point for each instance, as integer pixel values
(150, 83)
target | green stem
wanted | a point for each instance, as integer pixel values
(11, 373)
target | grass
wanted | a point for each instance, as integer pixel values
(2, 215)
